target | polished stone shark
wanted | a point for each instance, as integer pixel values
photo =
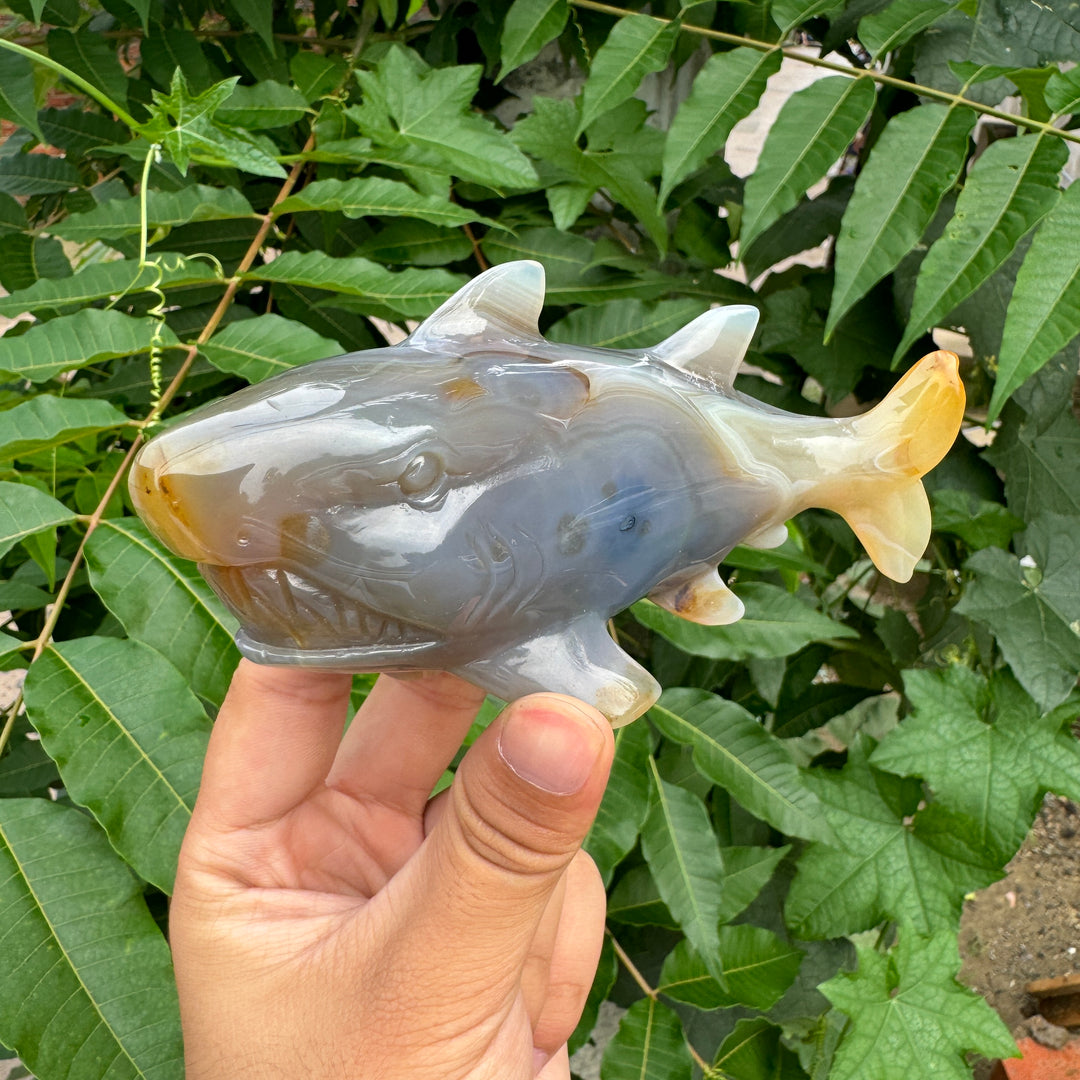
(480, 500)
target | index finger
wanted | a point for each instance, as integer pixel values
(273, 743)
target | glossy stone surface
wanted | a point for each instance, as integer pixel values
(480, 500)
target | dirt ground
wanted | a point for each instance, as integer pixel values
(1027, 926)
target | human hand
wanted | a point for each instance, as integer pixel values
(329, 920)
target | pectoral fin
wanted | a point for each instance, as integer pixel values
(581, 660)
(701, 598)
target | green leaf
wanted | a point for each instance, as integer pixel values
(25, 769)
(1011, 188)
(428, 111)
(26, 259)
(758, 969)
(725, 90)
(45, 421)
(37, 174)
(733, 750)
(910, 1017)
(528, 27)
(775, 624)
(635, 900)
(814, 128)
(266, 105)
(625, 324)
(129, 737)
(164, 209)
(172, 47)
(88, 337)
(635, 46)
(375, 196)
(649, 1045)
(89, 54)
(791, 13)
(254, 349)
(980, 523)
(416, 243)
(985, 750)
(258, 16)
(1044, 312)
(363, 285)
(625, 803)
(24, 511)
(1035, 438)
(78, 132)
(886, 30)
(86, 989)
(163, 601)
(17, 91)
(753, 1051)
(316, 75)
(746, 872)
(914, 162)
(1063, 91)
(680, 847)
(891, 860)
(1032, 606)
(100, 281)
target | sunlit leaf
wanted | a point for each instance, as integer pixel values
(909, 1015)
(99, 281)
(758, 969)
(815, 126)
(681, 850)
(916, 160)
(268, 104)
(375, 196)
(257, 348)
(732, 749)
(725, 90)
(46, 421)
(129, 737)
(1044, 313)
(86, 987)
(635, 46)
(412, 293)
(886, 30)
(529, 25)
(88, 337)
(119, 217)
(1012, 187)
(649, 1045)
(25, 511)
(164, 602)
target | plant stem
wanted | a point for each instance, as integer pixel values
(87, 87)
(843, 69)
(649, 991)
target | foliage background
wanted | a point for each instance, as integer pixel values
(789, 837)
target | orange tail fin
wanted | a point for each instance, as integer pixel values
(901, 440)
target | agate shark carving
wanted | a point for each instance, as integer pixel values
(479, 500)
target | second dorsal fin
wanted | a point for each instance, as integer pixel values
(501, 303)
(713, 345)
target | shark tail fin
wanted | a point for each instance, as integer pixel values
(899, 441)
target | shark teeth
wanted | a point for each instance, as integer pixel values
(285, 610)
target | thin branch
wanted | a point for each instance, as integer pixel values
(99, 96)
(843, 69)
(649, 991)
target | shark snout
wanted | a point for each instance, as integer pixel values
(196, 511)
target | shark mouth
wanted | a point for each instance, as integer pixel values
(288, 614)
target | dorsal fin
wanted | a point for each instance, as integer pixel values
(713, 345)
(501, 303)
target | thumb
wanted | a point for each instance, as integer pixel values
(520, 806)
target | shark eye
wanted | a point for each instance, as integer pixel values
(422, 474)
